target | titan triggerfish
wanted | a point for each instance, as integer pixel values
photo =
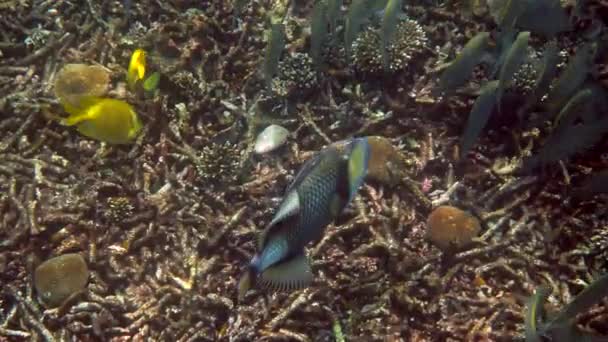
(322, 188)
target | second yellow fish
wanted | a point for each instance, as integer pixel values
(108, 120)
(137, 68)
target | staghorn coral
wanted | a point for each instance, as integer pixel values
(596, 250)
(387, 164)
(170, 271)
(409, 40)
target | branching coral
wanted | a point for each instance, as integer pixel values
(166, 225)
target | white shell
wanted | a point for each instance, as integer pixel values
(271, 138)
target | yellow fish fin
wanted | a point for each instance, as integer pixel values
(88, 129)
(80, 113)
(136, 125)
(137, 67)
(76, 118)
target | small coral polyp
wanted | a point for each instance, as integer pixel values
(296, 74)
(409, 40)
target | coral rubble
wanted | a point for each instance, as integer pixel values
(163, 225)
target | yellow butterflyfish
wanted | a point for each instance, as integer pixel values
(108, 120)
(137, 68)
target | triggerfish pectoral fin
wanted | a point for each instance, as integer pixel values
(357, 164)
(290, 274)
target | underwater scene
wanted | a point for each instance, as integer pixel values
(304, 170)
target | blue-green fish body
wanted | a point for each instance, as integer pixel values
(321, 189)
(480, 113)
(333, 14)
(548, 70)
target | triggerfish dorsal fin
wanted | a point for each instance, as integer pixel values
(357, 165)
(308, 166)
(290, 274)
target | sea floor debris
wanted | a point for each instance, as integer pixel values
(166, 223)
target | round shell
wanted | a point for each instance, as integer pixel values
(75, 81)
(58, 278)
(451, 229)
(386, 163)
(271, 138)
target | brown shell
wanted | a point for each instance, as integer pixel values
(386, 163)
(74, 81)
(451, 229)
(60, 277)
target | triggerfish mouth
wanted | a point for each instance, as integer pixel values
(322, 188)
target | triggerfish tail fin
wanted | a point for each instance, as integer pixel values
(247, 281)
(291, 274)
(357, 164)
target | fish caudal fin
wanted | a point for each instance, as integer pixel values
(291, 274)
(246, 282)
